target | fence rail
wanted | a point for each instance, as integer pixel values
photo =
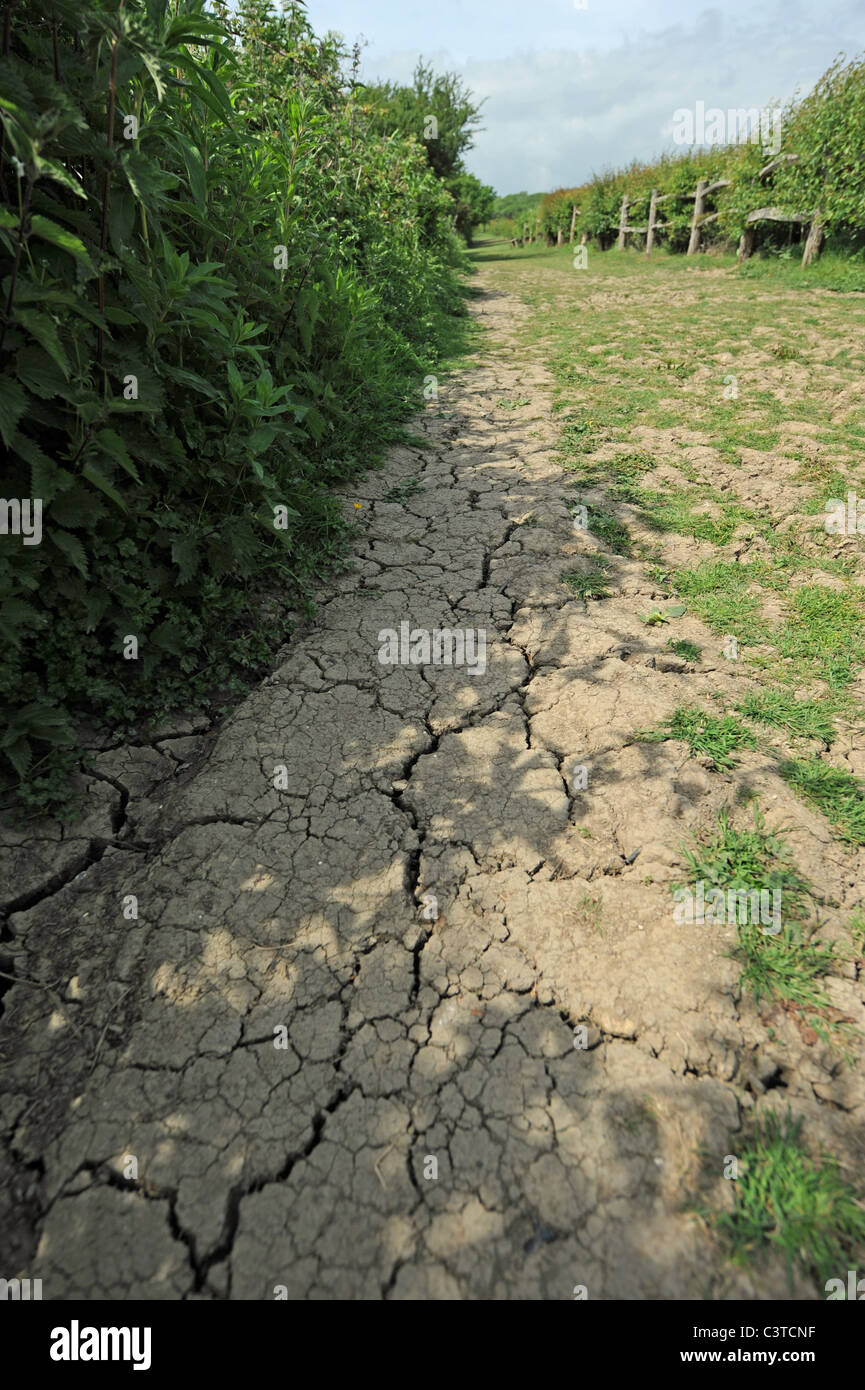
(700, 218)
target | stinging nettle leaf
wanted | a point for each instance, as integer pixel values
(13, 403)
(93, 475)
(44, 330)
(194, 162)
(115, 449)
(59, 236)
(39, 372)
(71, 547)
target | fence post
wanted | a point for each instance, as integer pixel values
(814, 241)
(746, 244)
(573, 222)
(699, 208)
(650, 230)
(623, 222)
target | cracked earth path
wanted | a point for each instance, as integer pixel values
(334, 1055)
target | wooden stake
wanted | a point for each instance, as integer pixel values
(650, 231)
(699, 207)
(623, 223)
(815, 240)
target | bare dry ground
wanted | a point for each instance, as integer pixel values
(397, 872)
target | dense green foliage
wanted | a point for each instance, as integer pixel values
(818, 170)
(222, 288)
(438, 111)
(510, 213)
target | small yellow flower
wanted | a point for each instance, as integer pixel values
(358, 506)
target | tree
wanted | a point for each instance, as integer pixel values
(440, 112)
(474, 201)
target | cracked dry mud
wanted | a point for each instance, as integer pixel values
(307, 1166)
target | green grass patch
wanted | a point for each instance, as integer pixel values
(587, 584)
(837, 794)
(718, 592)
(789, 1201)
(825, 633)
(611, 532)
(786, 352)
(778, 960)
(666, 511)
(717, 737)
(781, 710)
(789, 968)
(688, 651)
(754, 859)
(829, 272)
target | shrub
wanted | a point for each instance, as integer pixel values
(222, 287)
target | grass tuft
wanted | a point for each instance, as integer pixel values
(716, 737)
(789, 1201)
(837, 794)
(587, 584)
(688, 651)
(783, 964)
(781, 710)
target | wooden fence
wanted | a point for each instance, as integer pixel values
(700, 219)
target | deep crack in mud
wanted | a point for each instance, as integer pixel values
(333, 1049)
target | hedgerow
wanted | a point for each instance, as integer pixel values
(221, 289)
(818, 171)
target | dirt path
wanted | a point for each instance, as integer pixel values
(397, 871)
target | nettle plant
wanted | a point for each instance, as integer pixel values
(220, 287)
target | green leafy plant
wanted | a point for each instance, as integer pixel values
(657, 615)
(222, 287)
(402, 491)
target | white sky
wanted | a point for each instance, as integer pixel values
(571, 90)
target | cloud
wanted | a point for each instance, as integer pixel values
(552, 116)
